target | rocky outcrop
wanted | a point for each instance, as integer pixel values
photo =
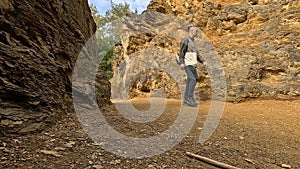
(145, 62)
(256, 42)
(39, 44)
(141, 63)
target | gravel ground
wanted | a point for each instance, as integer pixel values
(253, 134)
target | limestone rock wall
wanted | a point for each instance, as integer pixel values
(256, 40)
(145, 60)
(39, 43)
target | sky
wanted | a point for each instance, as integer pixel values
(104, 5)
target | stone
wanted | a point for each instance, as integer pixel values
(97, 166)
(32, 127)
(6, 6)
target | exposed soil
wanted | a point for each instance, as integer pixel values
(252, 134)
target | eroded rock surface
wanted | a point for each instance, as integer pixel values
(39, 44)
(256, 40)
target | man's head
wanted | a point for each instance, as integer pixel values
(193, 31)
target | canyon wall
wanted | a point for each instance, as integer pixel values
(39, 43)
(256, 42)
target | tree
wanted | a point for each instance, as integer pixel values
(95, 13)
(108, 32)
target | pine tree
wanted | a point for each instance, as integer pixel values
(108, 32)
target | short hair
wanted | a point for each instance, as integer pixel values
(190, 27)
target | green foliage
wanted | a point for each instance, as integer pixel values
(95, 13)
(106, 63)
(108, 32)
(117, 12)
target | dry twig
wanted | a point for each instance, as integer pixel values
(210, 161)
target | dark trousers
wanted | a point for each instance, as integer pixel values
(192, 78)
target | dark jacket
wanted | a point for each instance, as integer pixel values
(187, 44)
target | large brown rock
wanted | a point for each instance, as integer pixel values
(257, 42)
(39, 44)
(145, 62)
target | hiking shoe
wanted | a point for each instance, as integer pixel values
(189, 102)
(193, 100)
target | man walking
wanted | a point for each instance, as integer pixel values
(188, 57)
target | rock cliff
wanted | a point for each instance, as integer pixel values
(256, 41)
(39, 44)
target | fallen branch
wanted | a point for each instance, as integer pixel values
(210, 161)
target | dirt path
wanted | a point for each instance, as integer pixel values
(253, 134)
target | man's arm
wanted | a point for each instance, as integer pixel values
(183, 50)
(200, 59)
